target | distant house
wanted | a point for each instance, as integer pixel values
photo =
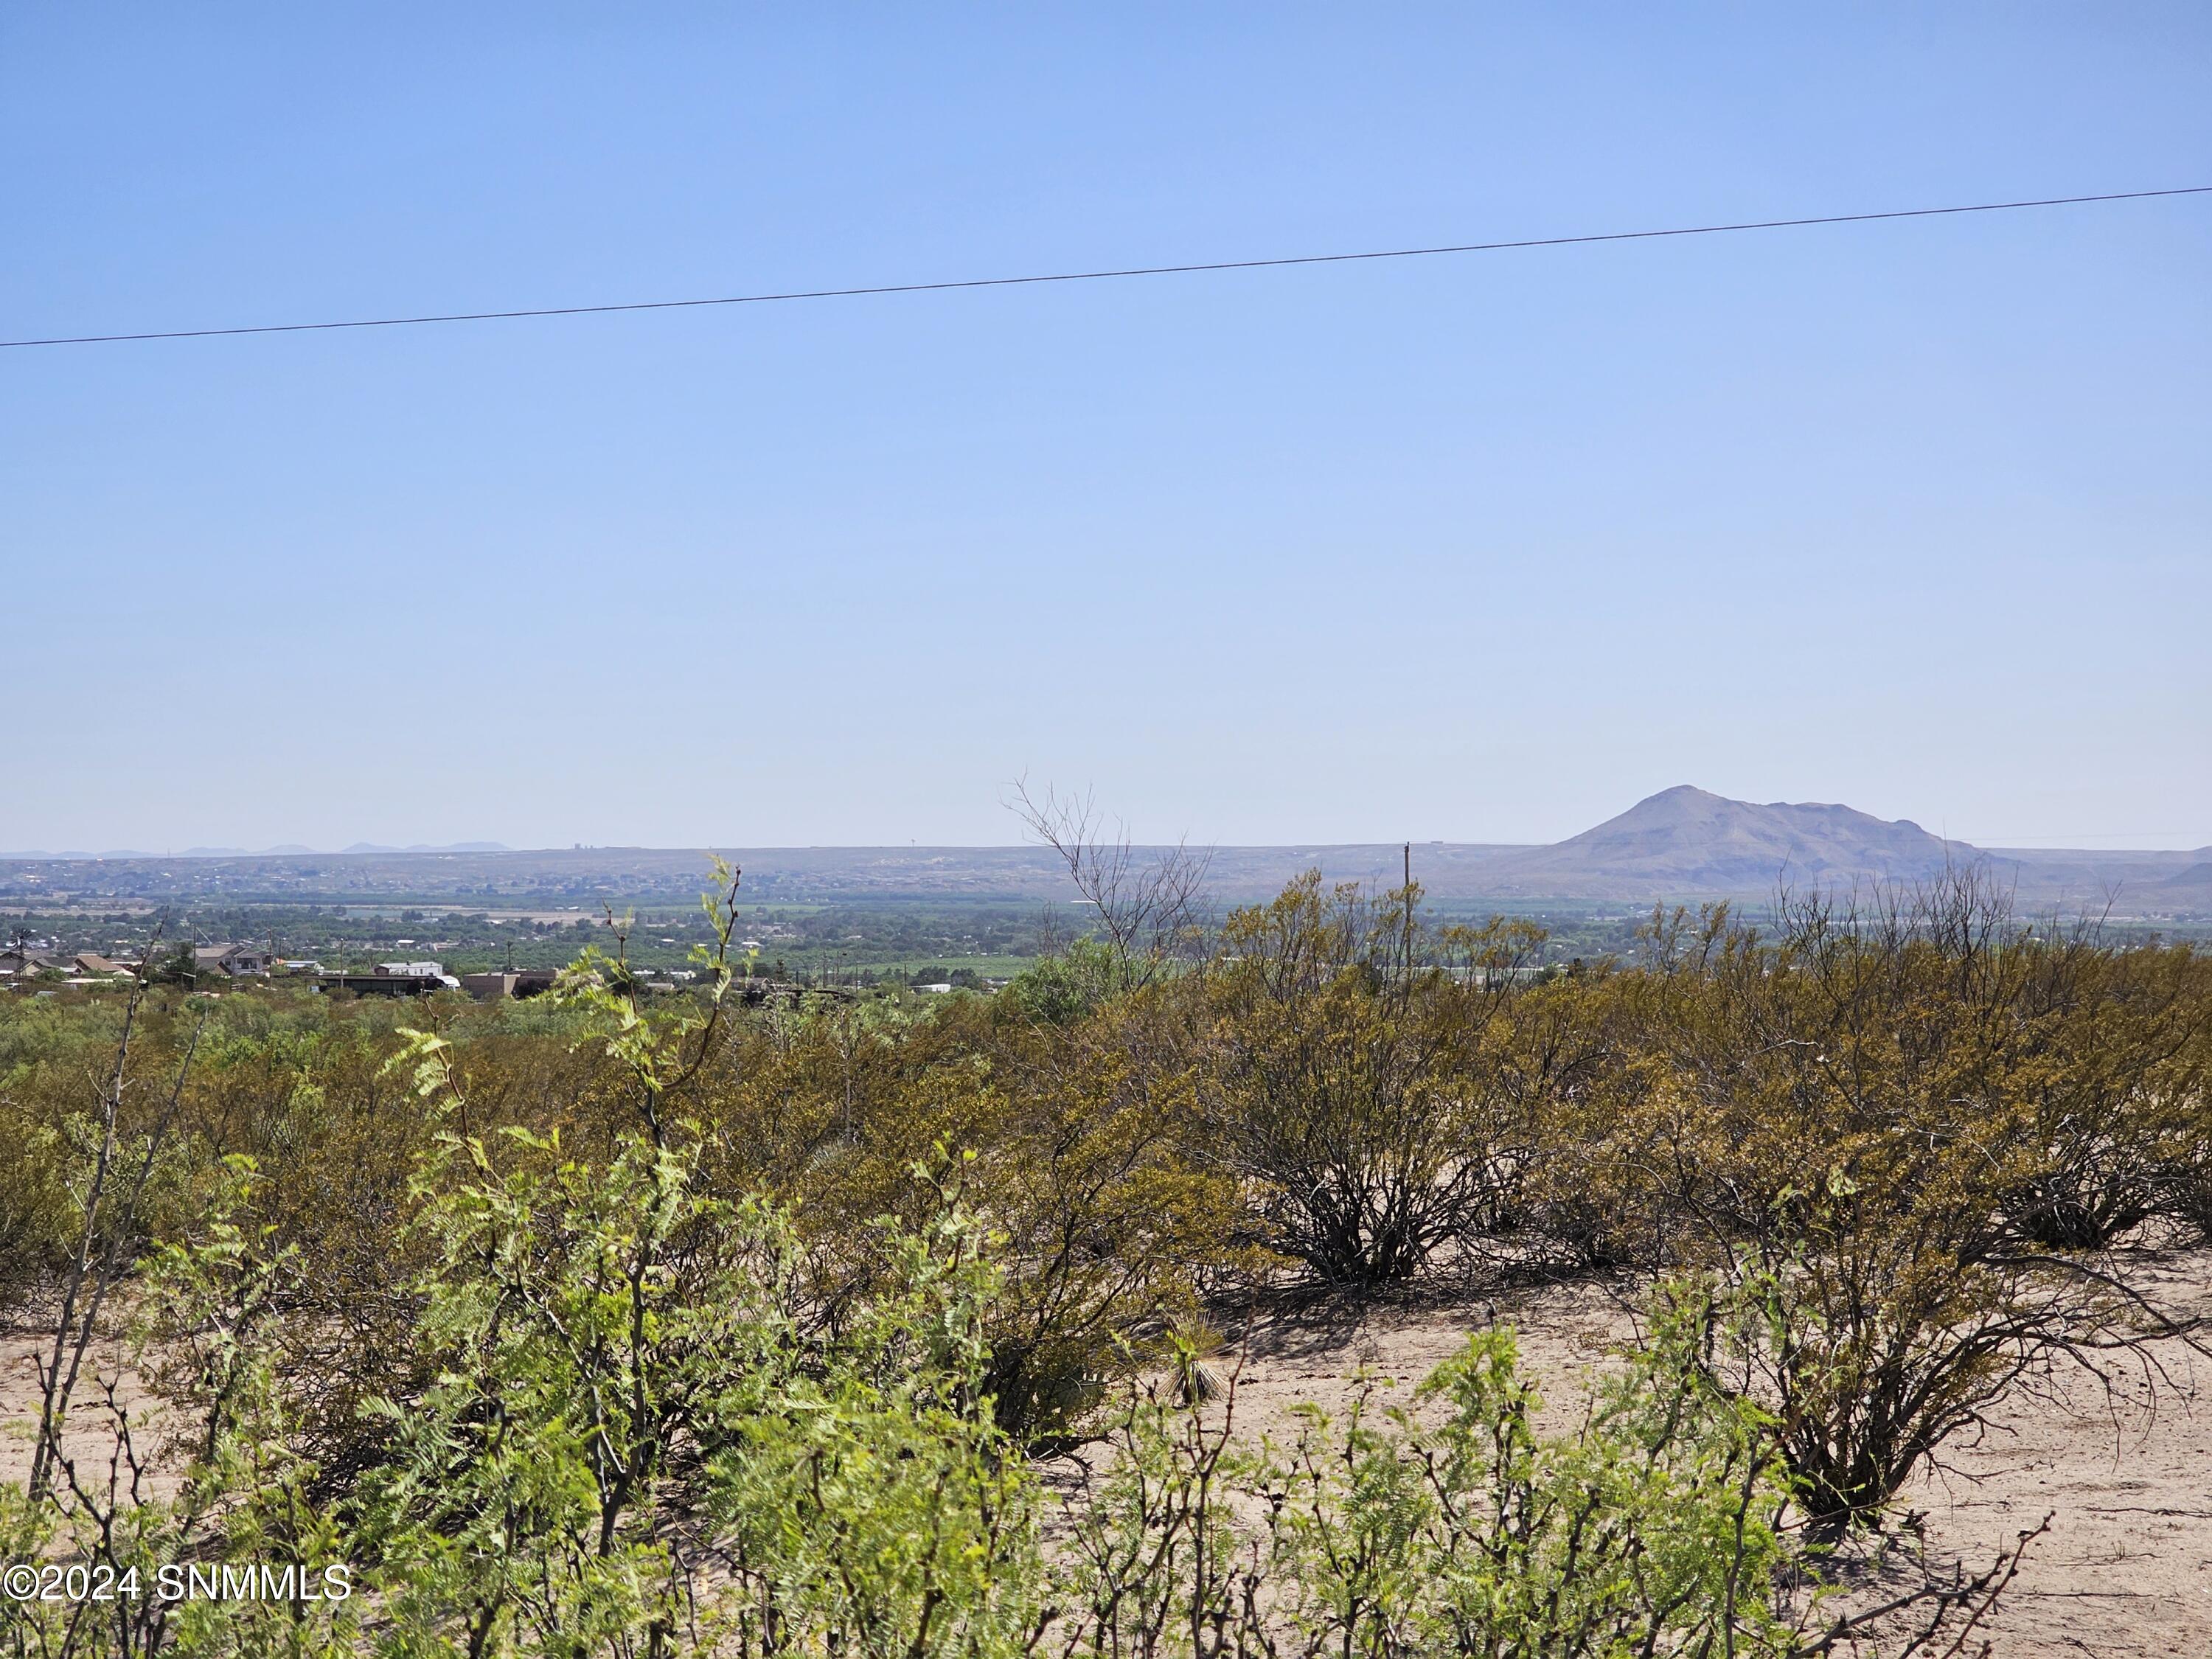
(410, 969)
(525, 982)
(21, 962)
(91, 963)
(231, 961)
(382, 984)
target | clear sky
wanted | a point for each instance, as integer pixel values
(1916, 516)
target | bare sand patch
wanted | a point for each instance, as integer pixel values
(89, 1438)
(2124, 1571)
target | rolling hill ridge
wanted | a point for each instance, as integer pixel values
(1683, 844)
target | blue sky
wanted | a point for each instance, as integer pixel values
(1916, 516)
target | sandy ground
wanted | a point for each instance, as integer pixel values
(2125, 1572)
(90, 1439)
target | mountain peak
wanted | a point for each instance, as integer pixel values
(1684, 800)
(1688, 839)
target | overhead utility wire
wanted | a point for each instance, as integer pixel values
(1102, 276)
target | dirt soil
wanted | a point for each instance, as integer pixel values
(89, 1438)
(2125, 1572)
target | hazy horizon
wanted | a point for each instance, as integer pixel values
(1910, 516)
(359, 845)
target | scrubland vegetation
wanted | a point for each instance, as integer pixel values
(589, 1325)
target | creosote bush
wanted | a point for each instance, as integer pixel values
(1861, 1126)
(1371, 1086)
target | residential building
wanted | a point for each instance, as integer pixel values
(230, 961)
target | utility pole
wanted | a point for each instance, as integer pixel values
(1409, 910)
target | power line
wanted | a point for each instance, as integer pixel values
(1104, 276)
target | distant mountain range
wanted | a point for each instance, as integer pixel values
(289, 850)
(1683, 844)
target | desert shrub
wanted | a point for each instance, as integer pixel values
(207, 1078)
(1064, 988)
(1840, 1122)
(302, 1087)
(1369, 1092)
(2186, 1108)
(626, 1368)
(1073, 1137)
(235, 1495)
(1107, 1233)
(639, 1437)
(1068, 1135)
(53, 1054)
(1661, 1524)
(2112, 1117)
(1654, 1530)
(1542, 1087)
(33, 1202)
